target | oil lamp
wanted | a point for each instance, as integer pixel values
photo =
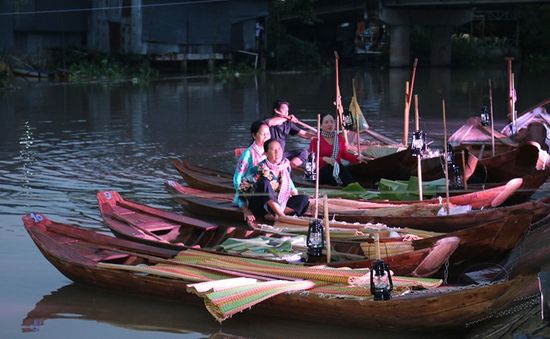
(310, 172)
(418, 144)
(347, 119)
(381, 284)
(315, 239)
(455, 173)
(485, 120)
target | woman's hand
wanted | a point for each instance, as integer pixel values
(293, 193)
(328, 160)
(248, 216)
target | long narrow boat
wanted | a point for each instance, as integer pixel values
(88, 257)
(411, 217)
(488, 242)
(141, 223)
(476, 196)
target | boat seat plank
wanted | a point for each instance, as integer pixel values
(146, 222)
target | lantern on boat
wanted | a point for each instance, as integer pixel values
(315, 239)
(455, 173)
(485, 119)
(310, 172)
(381, 284)
(347, 119)
(418, 144)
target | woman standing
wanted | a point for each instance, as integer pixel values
(274, 192)
(332, 149)
(245, 173)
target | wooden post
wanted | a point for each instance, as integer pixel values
(377, 244)
(419, 157)
(492, 121)
(327, 227)
(356, 119)
(317, 166)
(446, 156)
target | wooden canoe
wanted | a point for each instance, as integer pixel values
(506, 193)
(78, 253)
(210, 205)
(487, 242)
(145, 224)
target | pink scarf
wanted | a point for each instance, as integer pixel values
(284, 174)
(257, 154)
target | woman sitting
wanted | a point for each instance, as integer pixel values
(245, 173)
(274, 192)
(332, 150)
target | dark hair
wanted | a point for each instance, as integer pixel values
(279, 102)
(269, 142)
(323, 115)
(255, 127)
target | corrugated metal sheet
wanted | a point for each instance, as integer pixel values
(52, 22)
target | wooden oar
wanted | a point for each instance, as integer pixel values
(338, 101)
(446, 156)
(408, 99)
(492, 121)
(298, 122)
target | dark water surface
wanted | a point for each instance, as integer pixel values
(61, 143)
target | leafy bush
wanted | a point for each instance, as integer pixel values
(296, 54)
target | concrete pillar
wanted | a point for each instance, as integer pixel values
(440, 53)
(211, 65)
(183, 66)
(399, 45)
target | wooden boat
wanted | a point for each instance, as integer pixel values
(84, 256)
(129, 220)
(215, 181)
(145, 224)
(223, 207)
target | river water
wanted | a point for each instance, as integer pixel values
(61, 143)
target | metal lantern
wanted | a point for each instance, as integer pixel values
(310, 172)
(381, 283)
(418, 144)
(456, 174)
(347, 118)
(315, 238)
(485, 119)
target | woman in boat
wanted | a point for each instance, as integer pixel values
(274, 192)
(245, 173)
(332, 150)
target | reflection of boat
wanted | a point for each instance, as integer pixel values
(30, 72)
(87, 303)
(82, 256)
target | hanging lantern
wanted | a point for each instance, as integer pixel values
(456, 180)
(315, 239)
(310, 172)
(418, 144)
(485, 119)
(347, 118)
(381, 284)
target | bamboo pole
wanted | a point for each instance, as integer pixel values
(514, 113)
(446, 156)
(492, 121)
(408, 99)
(317, 166)
(463, 156)
(419, 157)
(298, 122)
(327, 227)
(338, 101)
(356, 119)
(377, 245)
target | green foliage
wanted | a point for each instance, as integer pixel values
(538, 62)
(465, 51)
(230, 70)
(85, 66)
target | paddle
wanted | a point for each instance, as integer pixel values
(297, 122)
(419, 156)
(408, 99)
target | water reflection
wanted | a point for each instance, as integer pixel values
(61, 143)
(82, 303)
